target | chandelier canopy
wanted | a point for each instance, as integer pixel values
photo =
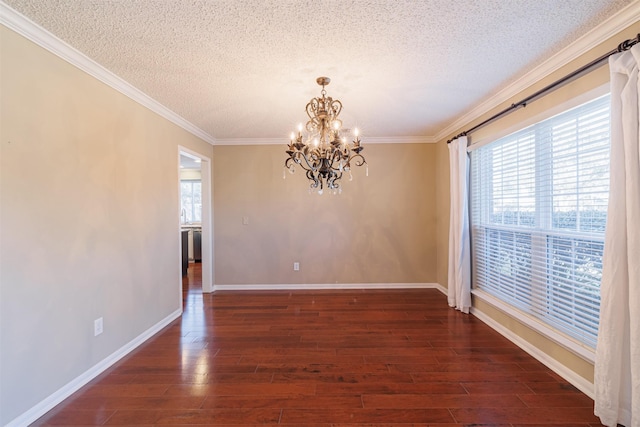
(322, 150)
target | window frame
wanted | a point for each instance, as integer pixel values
(565, 340)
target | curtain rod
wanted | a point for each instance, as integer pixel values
(625, 45)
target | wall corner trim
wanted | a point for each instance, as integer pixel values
(43, 38)
(74, 385)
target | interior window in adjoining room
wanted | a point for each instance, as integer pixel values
(191, 201)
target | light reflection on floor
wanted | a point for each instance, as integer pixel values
(193, 316)
(195, 356)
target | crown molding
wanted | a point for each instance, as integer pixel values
(252, 141)
(22, 25)
(608, 28)
(366, 140)
(400, 140)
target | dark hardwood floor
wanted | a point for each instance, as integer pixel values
(333, 358)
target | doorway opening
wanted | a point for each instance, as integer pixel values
(195, 225)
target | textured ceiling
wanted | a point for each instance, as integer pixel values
(246, 69)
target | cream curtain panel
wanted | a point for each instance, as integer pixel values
(459, 282)
(617, 367)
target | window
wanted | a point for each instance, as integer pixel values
(191, 201)
(538, 212)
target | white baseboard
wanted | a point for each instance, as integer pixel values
(327, 286)
(71, 387)
(574, 379)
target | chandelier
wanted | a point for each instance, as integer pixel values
(321, 150)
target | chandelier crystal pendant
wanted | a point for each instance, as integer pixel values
(322, 151)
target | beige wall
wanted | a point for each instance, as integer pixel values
(506, 125)
(89, 218)
(381, 229)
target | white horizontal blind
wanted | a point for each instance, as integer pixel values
(538, 212)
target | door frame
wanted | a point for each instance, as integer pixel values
(207, 218)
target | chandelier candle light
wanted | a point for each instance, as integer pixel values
(322, 151)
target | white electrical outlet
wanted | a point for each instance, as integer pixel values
(97, 327)
(296, 266)
(245, 220)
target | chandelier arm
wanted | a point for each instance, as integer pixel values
(313, 161)
(332, 182)
(337, 156)
(315, 181)
(336, 108)
(295, 160)
(312, 106)
(358, 158)
(298, 155)
(312, 112)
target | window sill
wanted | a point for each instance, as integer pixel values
(557, 337)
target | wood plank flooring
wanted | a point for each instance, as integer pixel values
(325, 358)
